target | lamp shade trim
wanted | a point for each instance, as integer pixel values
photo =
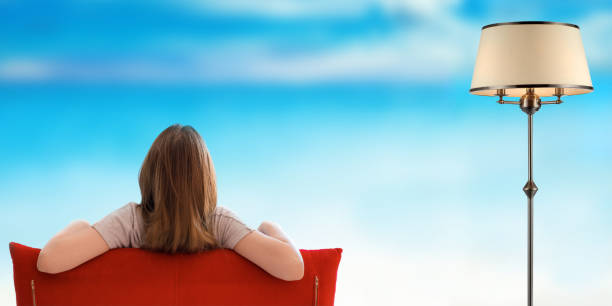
(530, 22)
(531, 86)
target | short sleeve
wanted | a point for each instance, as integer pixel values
(117, 228)
(228, 229)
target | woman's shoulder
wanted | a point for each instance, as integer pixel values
(125, 212)
(133, 211)
(121, 227)
(228, 228)
(221, 212)
(224, 217)
(132, 205)
(129, 208)
(132, 215)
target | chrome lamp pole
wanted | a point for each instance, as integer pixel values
(530, 103)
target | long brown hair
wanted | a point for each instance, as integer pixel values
(179, 193)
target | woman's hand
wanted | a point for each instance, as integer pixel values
(272, 250)
(265, 226)
(72, 246)
(273, 230)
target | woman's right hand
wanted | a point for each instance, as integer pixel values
(271, 229)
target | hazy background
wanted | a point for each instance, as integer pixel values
(347, 122)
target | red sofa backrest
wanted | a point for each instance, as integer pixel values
(139, 277)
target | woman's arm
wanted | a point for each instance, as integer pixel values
(271, 249)
(72, 246)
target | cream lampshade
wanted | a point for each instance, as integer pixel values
(531, 54)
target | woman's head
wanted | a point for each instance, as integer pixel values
(179, 193)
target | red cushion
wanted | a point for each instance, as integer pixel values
(139, 277)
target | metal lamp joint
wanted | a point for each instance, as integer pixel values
(530, 102)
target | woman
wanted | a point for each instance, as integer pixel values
(178, 213)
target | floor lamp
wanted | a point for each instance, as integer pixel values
(530, 59)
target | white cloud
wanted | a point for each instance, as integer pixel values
(418, 55)
(7, 290)
(432, 50)
(279, 8)
(438, 45)
(596, 32)
(24, 69)
(317, 8)
(414, 278)
(436, 49)
(431, 8)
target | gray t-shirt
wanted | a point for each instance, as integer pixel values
(123, 228)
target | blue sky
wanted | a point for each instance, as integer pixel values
(347, 122)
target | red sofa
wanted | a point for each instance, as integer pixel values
(139, 277)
